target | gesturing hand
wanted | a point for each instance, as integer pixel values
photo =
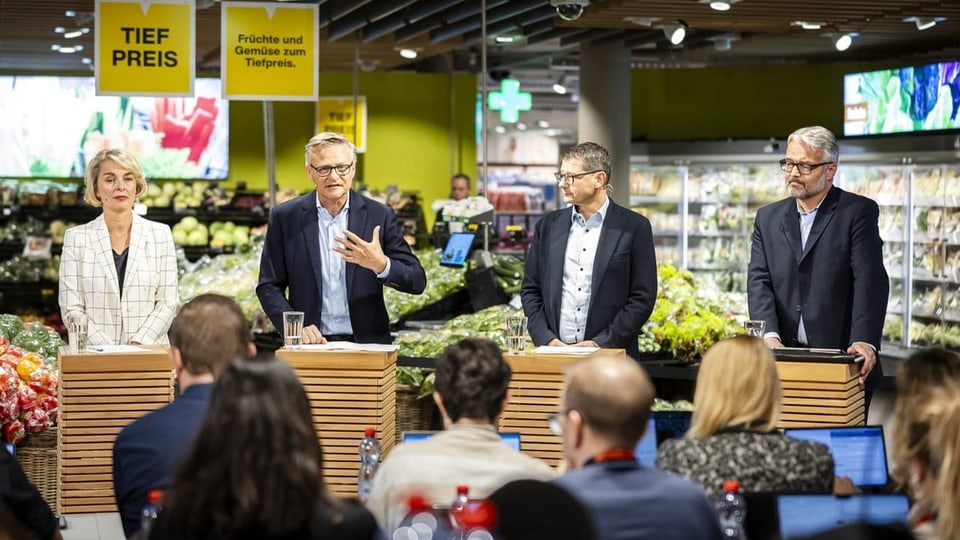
(366, 254)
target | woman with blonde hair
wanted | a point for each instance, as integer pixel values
(118, 272)
(733, 434)
(926, 442)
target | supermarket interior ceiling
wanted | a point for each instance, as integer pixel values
(446, 34)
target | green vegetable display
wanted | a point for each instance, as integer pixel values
(441, 282)
(234, 275)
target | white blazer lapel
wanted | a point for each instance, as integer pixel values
(105, 253)
(134, 254)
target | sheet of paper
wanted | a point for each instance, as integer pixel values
(349, 346)
(546, 349)
(116, 349)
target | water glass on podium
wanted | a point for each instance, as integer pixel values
(516, 333)
(754, 328)
(292, 329)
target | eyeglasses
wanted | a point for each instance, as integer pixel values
(553, 421)
(324, 172)
(804, 168)
(569, 178)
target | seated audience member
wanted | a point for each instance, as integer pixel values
(471, 393)
(535, 510)
(207, 333)
(733, 433)
(23, 512)
(926, 442)
(255, 470)
(605, 407)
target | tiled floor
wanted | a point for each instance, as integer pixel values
(93, 527)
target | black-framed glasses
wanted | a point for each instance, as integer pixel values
(325, 171)
(804, 168)
(569, 178)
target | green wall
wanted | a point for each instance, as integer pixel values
(738, 102)
(420, 131)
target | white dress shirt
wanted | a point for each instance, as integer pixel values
(335, 318)
(578, 273)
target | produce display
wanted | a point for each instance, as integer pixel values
(660, 405)
(489, 323)
(441, 281)
(234, 275)
(509, 270)
(29, 384)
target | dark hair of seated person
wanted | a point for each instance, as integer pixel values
(256, 468)
(535, 510)
(472, 377)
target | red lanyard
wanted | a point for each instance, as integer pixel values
(616, 454)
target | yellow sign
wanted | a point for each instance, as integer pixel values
(268, 51)
(145, 47)
(339, 114)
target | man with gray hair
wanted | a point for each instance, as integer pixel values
(816, 272)
(328, 253)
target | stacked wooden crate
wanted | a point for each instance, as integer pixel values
(348, 391)
(100, 393)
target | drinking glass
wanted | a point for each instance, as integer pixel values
(76, 334)
(516, 333)
(292, 329)
(754, 328)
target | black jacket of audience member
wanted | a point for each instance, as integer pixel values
(23, 500)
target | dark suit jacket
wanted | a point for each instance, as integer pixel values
(148, 451)
(838, 281)
(624, 286)
(291, 258)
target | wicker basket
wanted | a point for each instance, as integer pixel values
(413, 413)
(37, 454)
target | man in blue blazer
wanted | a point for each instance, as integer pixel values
(591, 272)
(329, 253)
(816, 272)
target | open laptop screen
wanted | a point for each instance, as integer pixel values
(805, 515)
(858, 451)
(663, 425)
(512, 438)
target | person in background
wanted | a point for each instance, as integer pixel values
(733, 435)
(590, 278)
(926, 442)
(604, 410)
(207, 334)
(470, 389)
(23, 512)
(118, 273)
(459, 187)
(329, 253)
(816, 273)
(255, 470)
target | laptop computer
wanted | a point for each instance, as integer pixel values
(858, 451)
(661, 426)
(512, 438)
(457, 250)
(804, 515)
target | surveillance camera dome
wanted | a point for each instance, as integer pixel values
(569, 10)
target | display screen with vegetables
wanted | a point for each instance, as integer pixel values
(172, 137)
(912, 98)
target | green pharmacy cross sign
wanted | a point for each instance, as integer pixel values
(510, 101)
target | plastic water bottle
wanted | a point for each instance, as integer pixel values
(458, 505)
(369, 461)
(732, 511)
(149, 513)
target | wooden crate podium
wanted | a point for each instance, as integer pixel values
(100, 393)
(348, 391)
(820, 392)
(535, 395)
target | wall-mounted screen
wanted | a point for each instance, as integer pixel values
(51, 126)
(902, 100)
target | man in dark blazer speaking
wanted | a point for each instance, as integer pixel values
(816, 271)
(332, 250)
(591, 272)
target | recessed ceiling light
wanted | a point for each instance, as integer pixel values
(521, 126)
(559, 88)
(500, 129)
(409, 54)
(55, 47)
(59, 30)
(505, 39)
(87, 61)
(70, 13)
(543, 124)
(720, 5)
(843, 42)
(809, 25)
(76, 33)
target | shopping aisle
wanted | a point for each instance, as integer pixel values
(105, 526)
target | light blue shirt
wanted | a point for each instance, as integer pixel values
(806, 223)
(578, 273)
(335, 311)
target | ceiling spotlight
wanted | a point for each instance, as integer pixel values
(76, 33)
(843, 42)
(559, 88)
(409, 54)
(675, 33)
(808, 25)
(86, 61)
(923, 23)
(500, 129)
(521, 126)
(720, 5)
(543, 124)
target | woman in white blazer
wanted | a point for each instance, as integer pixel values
(118, 272)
